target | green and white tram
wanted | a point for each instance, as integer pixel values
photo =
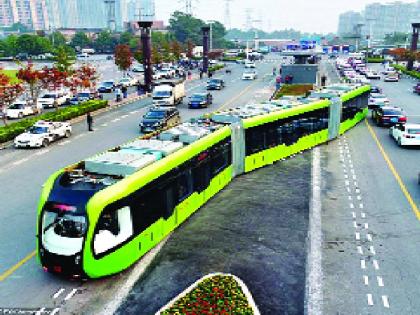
(99, 216)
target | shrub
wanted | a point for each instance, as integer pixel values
(293, 89)
(12, 130)
(375, 60)
(412, 73)
(216, 67)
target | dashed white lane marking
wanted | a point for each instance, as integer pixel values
(369, 237)
(366, 280)
(385, 301)
(380, 281)
(361, 206)
(351, 206)
(116, 119)
(375, 264)
(370, 299)
(346, 176)
(18, 162)
(124, 116)
(360, 250)
(42, 152)
(355, 224)
(55, 311)
(104, 125)
(64, 142)
(359, 197)
(40, 311)
(350, 198)
(362, 264)
(347, 182)
(372, 250)
(354, 177)
(363, 215)
(355, 184)
(357, 236)
(366, 226)
(133, 112)
(353, 215)
(70, 295)
(80, 136)
(58, 293)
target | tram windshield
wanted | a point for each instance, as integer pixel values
(64, 224)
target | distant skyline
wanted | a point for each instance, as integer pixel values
(316, 16)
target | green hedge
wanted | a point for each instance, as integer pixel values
(232, 58)
(216, 67)
(294, 90)
(413, 73)
(375, 60)
(10, 131)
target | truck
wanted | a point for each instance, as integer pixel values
(168, 93)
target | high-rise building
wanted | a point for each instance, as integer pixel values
(31, 13)
(381, 19)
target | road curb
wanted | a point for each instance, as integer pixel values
(8, 144)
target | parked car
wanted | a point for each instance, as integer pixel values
(107, 87)
(128, 82)
(200, 100)
(20, 109)
(392, 77)
(42, 134)
(389, 116)
(215, 84)
(375, 89)
(416, 88)
(159, 117)
(249, 74)
(109, 57)
(406, 134)
(138, 68)
(82, 97)
(372, 75)
(53, 98)
(375, 99)
(250, 64)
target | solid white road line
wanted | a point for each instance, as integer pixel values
(57, 294)
(370, 299)
(314, 290)
(385, 301)
(42, 152)
(18, 162)
(64, 142)
(70, 295)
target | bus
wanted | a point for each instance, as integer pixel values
(99, 216)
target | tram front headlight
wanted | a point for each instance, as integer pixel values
(77, 260)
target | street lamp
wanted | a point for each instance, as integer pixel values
(210, 22)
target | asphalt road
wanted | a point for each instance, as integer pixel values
(23, 172)
(371, 232)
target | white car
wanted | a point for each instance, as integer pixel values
(249, 64)
(166, 73)
(392, 77)
(388, 70)
(128, 82)
(406, 134)
(249, 75)
(49, 99)
(19, 109)
(360, 79)
(375, 99)
(42, 134)
(139, 68)
(372, 75)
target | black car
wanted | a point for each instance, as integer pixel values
(389, 116)
(215, 84)
(82, 97)
(106, 87)
(375, 89)
(200, 100)
(159, 117)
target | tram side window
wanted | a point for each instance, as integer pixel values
(184, 186)
(202, 176)
(221, 156)
(114, 228)
(255, 140)
(147, 208)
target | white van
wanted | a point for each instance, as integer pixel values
(90, 51)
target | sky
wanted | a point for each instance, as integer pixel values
(320, 16)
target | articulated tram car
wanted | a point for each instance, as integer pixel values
(99, 216)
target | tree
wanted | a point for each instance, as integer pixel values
(138, 56)
(87, 75)
(10, 45)
(176, 49)
(123, 57)
(80, 40)
(156, 56)
(400, 54)
(34, 79)
(63, 60)
(57, 39)
(8, 93)
(52, 79)
(396, 38)
(185, 27)
(190, 48)
(104, 42)
(125, 38)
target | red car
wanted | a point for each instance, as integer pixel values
(389, 116)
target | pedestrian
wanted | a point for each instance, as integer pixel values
(118, 94)
(139, 89)
(274, 71)
(210, 73)
(124, 91)
(89, 120)
(201, 74)
(189, 75)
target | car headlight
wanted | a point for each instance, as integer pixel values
(156, 125)
(202, 103)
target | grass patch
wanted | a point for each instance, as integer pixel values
(12, 75)
(293, 89)
(375, 60)
(12, 130)
(220, 294)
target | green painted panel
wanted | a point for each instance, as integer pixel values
(352, 94)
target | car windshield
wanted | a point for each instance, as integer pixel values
(107, 83)
(64, 223)
(197, 98)
(48, 96)
(161, 94)
(83, 95)
(214, 81)
(415, 131)
(38, 130)
(16, 106)
(378, 96)
(392, 112)
(155, 115)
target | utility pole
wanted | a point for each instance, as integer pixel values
(227, 14)
(188, 6)
(146, 40)
(206, 30)
(414, 40)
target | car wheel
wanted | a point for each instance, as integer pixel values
(45, 143)
(20, 115)
(67, 134)
(399, 142)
